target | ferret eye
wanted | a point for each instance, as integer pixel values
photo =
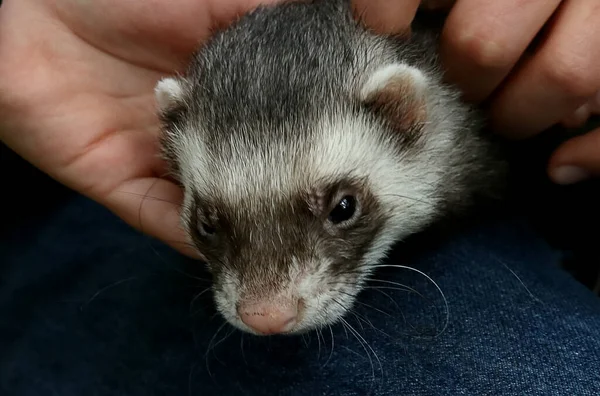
(344, 210)
(207, 229)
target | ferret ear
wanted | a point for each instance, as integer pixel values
(397, 92)
(168, 92)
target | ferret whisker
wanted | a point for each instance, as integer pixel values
(226, 336)
(309, 336)
(365, 345)
(143, 199)
(303, 338)
(208, 348)
(361, 318)
(346, 332)
(397, 306)
(196, 312)
(400, 286)
(516, 276)
(197, 296)
(143, 196)
(149, 242)
(368, 321)
(332, 345)
(366, 305)
(351, 311)
(213, 316)
(353, 332)
(388, 296)
(378, 289)
(210, 343)
(387, 288)
(447, 321)
(102, 290)
(319, 343)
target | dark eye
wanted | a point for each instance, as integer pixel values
(344, 210)
(207, 229)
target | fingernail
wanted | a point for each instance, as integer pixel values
(578, 118)
(568, 174)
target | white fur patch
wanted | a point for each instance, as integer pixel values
(347, 146)
(403, 185)
(167, 90)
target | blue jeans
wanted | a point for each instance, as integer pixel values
(91, 307)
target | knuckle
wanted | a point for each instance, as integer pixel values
(482, 50)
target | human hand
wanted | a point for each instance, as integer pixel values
(485, 48)
(77, 99)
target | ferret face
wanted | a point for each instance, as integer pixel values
(292, 216)
(306, 147)
(287, 262)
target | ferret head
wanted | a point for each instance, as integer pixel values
(304, 155)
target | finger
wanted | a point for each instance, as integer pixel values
(153, 207)
(385, 16)
(558, 79)
(482, 40)
(577, 159)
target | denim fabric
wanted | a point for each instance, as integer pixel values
(90, 307)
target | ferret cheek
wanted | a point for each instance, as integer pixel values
(225, 305)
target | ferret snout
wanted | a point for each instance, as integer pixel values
(271, 318)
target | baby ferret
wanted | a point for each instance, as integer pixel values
(307, 146)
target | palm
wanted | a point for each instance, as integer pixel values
(84, 97)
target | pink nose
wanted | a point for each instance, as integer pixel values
(269, 319)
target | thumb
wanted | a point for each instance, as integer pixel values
(153, 206)
(577, 159)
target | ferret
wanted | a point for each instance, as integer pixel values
(307, 146)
